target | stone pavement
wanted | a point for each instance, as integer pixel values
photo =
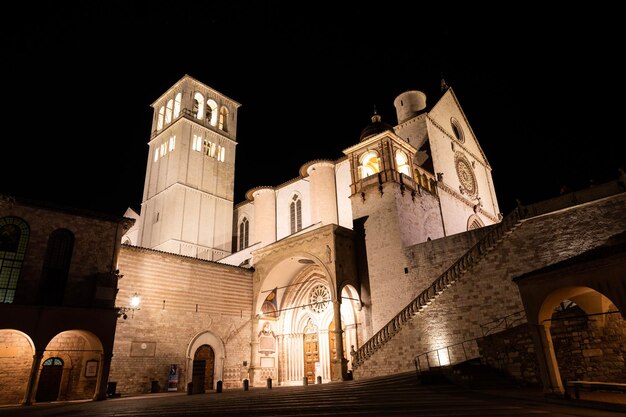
(397, 396)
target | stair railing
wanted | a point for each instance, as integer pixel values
(445, 280)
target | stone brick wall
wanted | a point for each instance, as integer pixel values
(486, 291)
(182, 298)
(588, 348)
(16, 359)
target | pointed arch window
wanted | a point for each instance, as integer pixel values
(56, 267)
(244, 229)
(14, 235)
(295, 213)
(402, 163)
(368, 164)
(223, 123)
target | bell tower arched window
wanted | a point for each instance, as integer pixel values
(223, 124)
(295, 214)
(160, 118)
(177, 101)
(211, 112)
(198, 105)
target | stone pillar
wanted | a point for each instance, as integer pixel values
(255, 366)
(103, 376)
(339, 363)
(34, 370)
(548, 366)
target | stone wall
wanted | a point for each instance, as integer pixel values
(486, 292)
(588, 348)
(16, 359)
(182, 299)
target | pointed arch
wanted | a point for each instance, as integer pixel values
(474, 222)
(295, 213)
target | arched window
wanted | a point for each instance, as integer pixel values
(402, 163)
(177, 101)
(198, 105)
(295, 213)
(223, 124)
(56, 267)
(14, 234)
(244, 228)
(474, 223)
(160, 118)
(211, 112)
(168, 111)
(368, 164)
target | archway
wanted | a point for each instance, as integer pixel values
(49, 384)
(16, 350)
(202, 346)
(585, 336)
(203, 369)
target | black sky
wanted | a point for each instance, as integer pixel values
(541, 90)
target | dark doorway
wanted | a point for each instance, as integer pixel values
(203, 369)
(50, 380)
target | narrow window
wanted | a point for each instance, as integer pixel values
(223, 124)
(156, 154)
(197, 143)
(211, 112)
(295, 214)
(243, 233)
(168, 111)
(56, 267)
(14, 234)
(177, 101)
(172, 143)
(198, 109)
(160, 118)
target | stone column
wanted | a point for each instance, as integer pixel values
(34, 370)
(103, 376)
(339, 363)
(255, 366)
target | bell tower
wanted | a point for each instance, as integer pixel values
(187, 204)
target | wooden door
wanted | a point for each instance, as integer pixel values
(311, 356)
(50, 380)
(203, 369)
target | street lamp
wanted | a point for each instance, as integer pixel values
(135, 301)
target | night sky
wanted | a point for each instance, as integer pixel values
(541, 91)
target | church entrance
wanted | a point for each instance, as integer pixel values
(311, 353)
(50, 380)
(203, 369)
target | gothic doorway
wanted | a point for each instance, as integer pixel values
(311, 352)
(203, 369)
(49, 380)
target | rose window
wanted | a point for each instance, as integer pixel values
(319, 298)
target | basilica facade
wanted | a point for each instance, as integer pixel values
(391, 256)
(296, 277)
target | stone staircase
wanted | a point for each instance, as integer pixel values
(444, 281)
